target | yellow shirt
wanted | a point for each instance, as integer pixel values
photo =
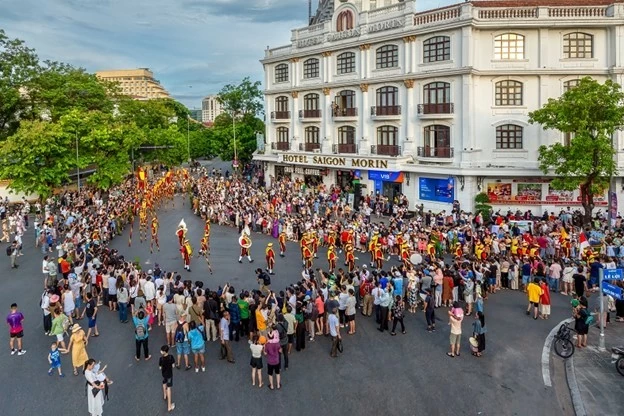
(534, 292)
(261, 320)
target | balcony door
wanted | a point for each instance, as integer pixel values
(437, 141)
(345, 104)
(346, 139)
(387, 101)
(311, 106)
(437, 98)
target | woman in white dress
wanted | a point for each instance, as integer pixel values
(95, 401)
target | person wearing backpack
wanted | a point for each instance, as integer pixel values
(141, 334)
(183, 348)
(282, 330)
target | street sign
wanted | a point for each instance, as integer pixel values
(612, 290)
(613, 274)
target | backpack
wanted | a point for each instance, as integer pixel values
(9, 250)
(283, 333)
(179, 334)
(65, 323)
(140, 330)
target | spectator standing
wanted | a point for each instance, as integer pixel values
(16, 330)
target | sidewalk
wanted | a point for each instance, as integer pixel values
(599, 387)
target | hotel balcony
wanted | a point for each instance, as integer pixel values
(344, 113)
(310, 115)
(385, 150)
(344, 148)
(441, 110)
(435, 154)
(281, 146)
(386, 112)
(309, 147)
(280, 116)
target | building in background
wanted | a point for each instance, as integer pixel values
(196, 115)
(139, 84)
(435, 104)
(211, 108)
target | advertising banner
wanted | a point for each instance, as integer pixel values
(439, 190)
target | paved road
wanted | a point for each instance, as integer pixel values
(403, 375)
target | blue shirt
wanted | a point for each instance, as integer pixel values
(397, 282)
(196, 339)
(526, 269)
(479, 305)
(384, 282)
(594, 271)
(144, 321)
(55, 357)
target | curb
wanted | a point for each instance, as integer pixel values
(575, 392)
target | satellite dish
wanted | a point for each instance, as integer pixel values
(416, 258)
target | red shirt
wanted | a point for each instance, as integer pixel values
(545, 298)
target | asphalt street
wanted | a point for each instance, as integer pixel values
(377, 374)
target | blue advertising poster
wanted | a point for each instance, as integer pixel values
(378, 175)
(439, 190)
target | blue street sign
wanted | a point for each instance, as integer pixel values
(613, 274)
(612, 290)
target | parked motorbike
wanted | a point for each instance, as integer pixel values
(618, 354)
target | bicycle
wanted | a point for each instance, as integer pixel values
(564, 347)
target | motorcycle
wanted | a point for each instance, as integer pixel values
(618, 353)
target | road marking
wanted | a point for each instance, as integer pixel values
(546, 352)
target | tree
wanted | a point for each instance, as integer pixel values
(245, 99)
(591, 113)
(246, 129)
(482, 204)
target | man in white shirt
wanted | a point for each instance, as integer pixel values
(149, 289)
(377, 292)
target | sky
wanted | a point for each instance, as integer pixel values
(194, 47)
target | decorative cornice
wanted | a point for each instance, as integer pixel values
(294, 60)
(326, 54)
(408, 39)
(365, 47)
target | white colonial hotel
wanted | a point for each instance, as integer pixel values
(435, 104)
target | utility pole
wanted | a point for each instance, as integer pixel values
(77, 162)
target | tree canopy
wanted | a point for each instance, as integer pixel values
(590, 113)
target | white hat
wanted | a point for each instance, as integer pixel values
(150, 271)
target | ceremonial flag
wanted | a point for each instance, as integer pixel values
(583, 244)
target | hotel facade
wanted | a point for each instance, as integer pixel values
(435, 104)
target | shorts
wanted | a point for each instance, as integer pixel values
(468, 299)
(492, 281)
(274, 368)
(455, 338)
(291, 338)
(78, 302)
(19, 334)
(525, 280)
(112, 298)
(59, 337)
(350, 318)
(256, 363)
(199, 350)
(183, 348)
(535, 304)
(168, 381)
(170, 327)
(92, 322)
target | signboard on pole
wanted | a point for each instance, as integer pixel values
(612, 290)
(613, 274)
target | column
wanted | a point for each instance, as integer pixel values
(468, 141)
(294, 121)
(543, 49)
(327, 67)
(364, 120)
(364, 64)
(466, 50)
(294, 73)
(542, 135)
(408, 115)
(326, 130)
(407, 54)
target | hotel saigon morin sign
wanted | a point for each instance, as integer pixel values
(335, 161)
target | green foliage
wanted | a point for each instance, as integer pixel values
(482, 201)
(591, 112)
(246, 129)
(243, 99)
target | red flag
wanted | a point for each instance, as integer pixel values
(583, 244)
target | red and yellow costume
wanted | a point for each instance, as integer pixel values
(203, 246)
(349, 256)
(307, 252)
(282, 243)
(331, 258)
(270, 257)
(405, 254)
(186, 251)
(372, 245)
(331, 239)
(379, 256)
(154, 235)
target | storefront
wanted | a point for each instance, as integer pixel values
(388, 184)
(345, 178)
(280, 172)
(536, 192)
(312, 177)
(441, 190)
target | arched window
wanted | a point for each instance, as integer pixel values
(508, 93)
(281, 73)
(568, 85)
(345, 104)
(437, 98)
(281, 108)
(282, 142)
(387, 56)
(387, 102)
(437, 48)
(312, 140)
(346, 63)
(346, 139)
(311, 68)
(387, 141)
(509, 136)
(344, 21)
(509, 46)
(437, 141)
(578, 45)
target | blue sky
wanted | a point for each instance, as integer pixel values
(194, 47)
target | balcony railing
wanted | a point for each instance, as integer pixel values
(436, 152)
(280, 115)
(309, 113)
(388, 110)
(344, 148)
(385, 150)
(345, 112)
(442, 108)
(283, 146)
(309, 147)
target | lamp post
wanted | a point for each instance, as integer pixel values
(235, 164)
(77, 162)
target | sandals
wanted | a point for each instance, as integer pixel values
(279, 386)
(75, 372)
(450, 354)
(270, 387)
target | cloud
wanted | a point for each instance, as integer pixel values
(264, 11)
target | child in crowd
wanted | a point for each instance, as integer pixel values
(54, 358)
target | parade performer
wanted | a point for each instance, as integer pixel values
(207, 235)
(306, 251)
(314, 239)
(379, 256)
(142, 178)
(245, 244)
(154, 235)
(187, 251)
(331, 258)
(372, 245)
(181, 232)
(405, 254)
(270, 258)
(203, 251)
(282, 243)
(350, 257)
(331, 238)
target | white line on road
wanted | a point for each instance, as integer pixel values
(546, 352)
